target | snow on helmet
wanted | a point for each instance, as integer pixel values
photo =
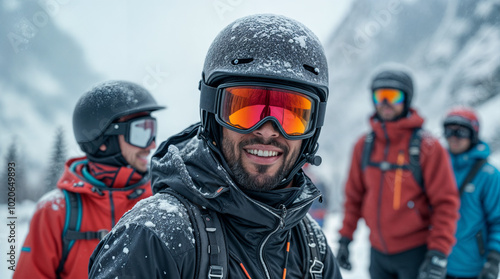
(466, 117)
(100, 106)
(393, 76)
(269, 48)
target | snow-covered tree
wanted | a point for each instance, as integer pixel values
(13, 167)
(57, 160)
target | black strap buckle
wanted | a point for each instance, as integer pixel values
(102, 233)
(316, 269)
(216, 271)
(385, 166)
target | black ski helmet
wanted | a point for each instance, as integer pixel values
(100, 106)
(397, 78)
(269, 48)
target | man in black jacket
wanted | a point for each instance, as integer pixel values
(264, 89)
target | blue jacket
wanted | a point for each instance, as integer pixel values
(479, 224)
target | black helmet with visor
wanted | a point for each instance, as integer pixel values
(96, 115)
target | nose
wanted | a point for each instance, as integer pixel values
(384, 101)
(267, 130)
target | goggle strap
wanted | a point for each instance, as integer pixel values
(208, 97)
(321, 114)
(116, 129)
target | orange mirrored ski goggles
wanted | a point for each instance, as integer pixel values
(392, 96)
(244, 108)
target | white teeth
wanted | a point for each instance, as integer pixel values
(262, 153)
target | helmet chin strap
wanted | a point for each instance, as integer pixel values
(112, 160)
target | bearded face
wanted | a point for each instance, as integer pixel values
(259, 160)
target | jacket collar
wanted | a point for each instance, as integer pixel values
(111, 176)
(396, 129)
(76, 178)
(466, 159)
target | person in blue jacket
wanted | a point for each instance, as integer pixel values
(477, 250)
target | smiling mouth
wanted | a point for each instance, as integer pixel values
(143, 157)
(262, 153)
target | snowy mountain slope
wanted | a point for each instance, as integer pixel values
(42, 71)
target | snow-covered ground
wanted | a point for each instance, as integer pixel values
(359, 249)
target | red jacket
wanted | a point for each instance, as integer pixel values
(393, 205)
(42, 249)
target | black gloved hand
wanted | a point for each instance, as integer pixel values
(433, 266)
(343, 253)
(490, 268)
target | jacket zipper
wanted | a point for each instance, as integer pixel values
(284, 212)
(112, 206)
(281, 225)
(261, 257)
(379, 225)
(261, 248)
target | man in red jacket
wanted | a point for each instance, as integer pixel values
(113, 125)
(409, 205)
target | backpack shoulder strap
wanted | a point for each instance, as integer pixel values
(367, 149)
(216, 246)
(414, 157)
(72, 225)
(471, 174)
(211, 256)
(317, 250)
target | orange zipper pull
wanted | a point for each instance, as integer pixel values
(398, 180)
